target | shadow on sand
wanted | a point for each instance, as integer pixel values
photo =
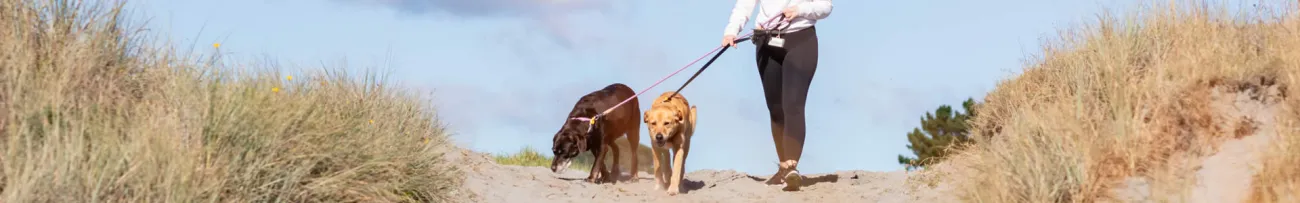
(807, 180)
(688, 185)
(622, 178)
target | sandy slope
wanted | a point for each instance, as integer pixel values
(490, 182)
(1225, 174)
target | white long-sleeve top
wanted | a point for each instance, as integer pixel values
(809, 11)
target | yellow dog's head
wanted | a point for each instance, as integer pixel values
(664, 124)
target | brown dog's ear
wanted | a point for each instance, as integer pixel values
(579, 146)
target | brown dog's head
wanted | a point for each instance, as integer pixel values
(570, 141)
(663, 123)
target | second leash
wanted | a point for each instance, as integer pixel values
(706, 66)
(748, 36)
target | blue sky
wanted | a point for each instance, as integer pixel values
(505, 72)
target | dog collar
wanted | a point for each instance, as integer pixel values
(588, 120)
(591, 122)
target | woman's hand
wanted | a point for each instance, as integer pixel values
(729, 41)
(790, 12)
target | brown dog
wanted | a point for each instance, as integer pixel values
(671, 123)
(578, 134)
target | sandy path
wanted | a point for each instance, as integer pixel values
(1223, 175)
(1226, 174)
(490, 182)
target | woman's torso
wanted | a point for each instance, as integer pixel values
(767, 9)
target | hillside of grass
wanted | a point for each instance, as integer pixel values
(528, 156)
(92, 111)
(1132, 97)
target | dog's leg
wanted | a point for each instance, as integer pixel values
(666, 154)
(633, 141)
(683, 151)
(666, 169)
(593, 176)
(604, 168)
(655, 166)
(598, 166)
(614, 166)
(679, 164)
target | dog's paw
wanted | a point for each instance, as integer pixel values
(658, 186)
(672, 192)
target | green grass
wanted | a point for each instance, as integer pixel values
(525, 157)
(528, 156)
(92, 112)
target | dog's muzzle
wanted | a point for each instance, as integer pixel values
(560, 168)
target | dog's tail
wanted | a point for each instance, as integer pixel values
(691, 118)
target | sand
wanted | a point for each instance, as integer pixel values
(487, 181)
(1222, 175)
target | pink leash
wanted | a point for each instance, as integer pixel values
(661, 80)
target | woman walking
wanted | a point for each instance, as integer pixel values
(787, 58)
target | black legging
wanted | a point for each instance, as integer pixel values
(785, 74)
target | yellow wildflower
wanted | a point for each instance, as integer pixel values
(275, 89)
(216, 45)
(372, 121)
(288, 77)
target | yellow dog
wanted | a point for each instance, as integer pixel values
(671, 123)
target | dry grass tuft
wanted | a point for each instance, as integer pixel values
(1278, 179)
(89, 112)
(1130, 97)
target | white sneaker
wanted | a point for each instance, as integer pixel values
(793, 181)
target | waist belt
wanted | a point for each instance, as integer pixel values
(762, 36)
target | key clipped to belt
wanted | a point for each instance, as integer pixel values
(776, 41)
(770, 37)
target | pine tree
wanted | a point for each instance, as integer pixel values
(938, 131)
